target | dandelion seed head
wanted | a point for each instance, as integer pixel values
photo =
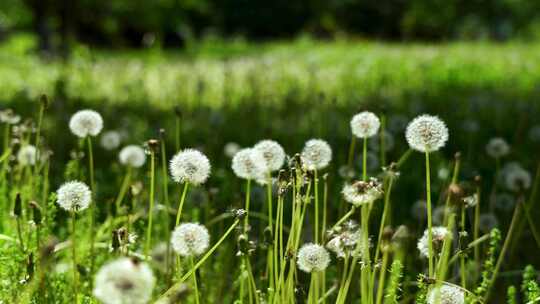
(272, 152)
(86, 123)
(231, 149)
(74, 196)
(110, 140)
(497, 147)
(365, 124)
(446, 294)
(124, 281)
(487, 221)
(360, 192)
(190, 239)
(316, 155)
(249, 163)
(313, 258)
(132, 156)
(517, 179)
(426, 133)
(27, 155)
(190, 166)
(439, 234)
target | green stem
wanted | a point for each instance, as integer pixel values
(92, 205)
(181, 205)
(428, 196)
(74, 256)
(151, 205)
(123, 190)
(462, 257)
(364, 160)
(382, 277)
(316, 189)
(476, 229)
(165, 180)
(248, 196)
(195, 287)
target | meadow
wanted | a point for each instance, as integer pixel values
(195, 178)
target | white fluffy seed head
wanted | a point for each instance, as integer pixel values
(190, 239)
(249, 164)
(27, 155)
(365, 124)
(426, 133)
(497, 147)
(316, 155)
(438, 235)
(190, 166)
(517, 179)
(74, 196)
(124, 281)
(132, 156)
(86, 123)
(272, 152)
(110, 140)
(360, 192)
(446, 294)
(230, 149)
(313, 258)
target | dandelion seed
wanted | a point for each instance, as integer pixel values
(74, 196)
(439, 234)
(365, 124)
(497, 147)
(124, 281)
(190, 166)
(86, 123)
(426, 133)
(27, 155)
(231, 149)
(446, 294)
(316, 155)
(470, 201)
(190, 239)
(272, 152)
(110, 140)
(133, 156)
(313, 258)
(249, 164)
(360, 192)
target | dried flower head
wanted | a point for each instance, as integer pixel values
(272, 152)
(439, 234)
(190, 239)
(316, 155)
(74, 196)
(231, 149)
(124, 281)
(360, 192)
(470, 201)
(446, 294)
(344, 243)
(365, 124)
(497, 147)
(190, 166)
(110, 140)
(249, 164)
(9, 117)
(132, 156)
(86, 123)
(313, 258)
(27, 155)
(426, 133)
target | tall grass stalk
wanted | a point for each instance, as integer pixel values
(151, 203)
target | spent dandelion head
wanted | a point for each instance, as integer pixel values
(190, 239)
(190, 166)
(316, 154)
(74, 196)
(497, 147)
(132, 156)
(110, 140)
(517, 179)
(231, 148)
(313, 258)
(249, 164)
(362, 192)
(272, 152)
(86, 123)
(439, 234)
(426, 133)
(365, 124)
(446, 294)
(27, 155)
(124, 281)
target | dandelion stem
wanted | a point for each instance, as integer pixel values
(428, 202)
(462, 257)
(123, 190)
(92, 205)
(194, 281)
(151, 204)
(316, 189)
(476, 228)
(74, 256)
(248, 196)
(364, 160)
(165, 179)
(181, 205)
